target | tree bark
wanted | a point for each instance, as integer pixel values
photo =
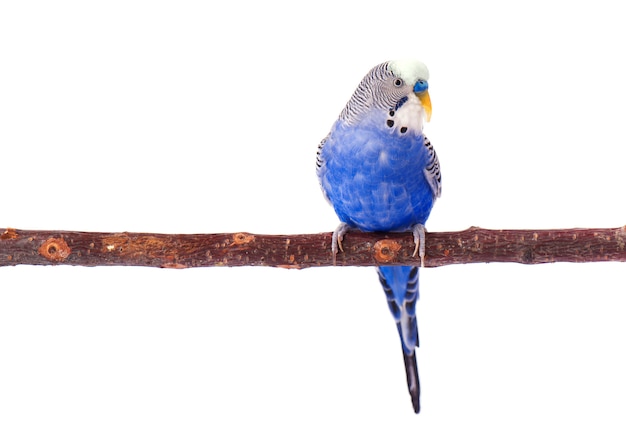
(31, 247)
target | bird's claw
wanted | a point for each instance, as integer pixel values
(337, 239)
(419, 237)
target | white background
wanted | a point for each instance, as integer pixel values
(184, 117)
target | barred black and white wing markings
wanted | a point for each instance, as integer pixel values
(319, 163)
(432, 171)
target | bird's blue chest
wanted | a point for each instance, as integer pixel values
(374, 177)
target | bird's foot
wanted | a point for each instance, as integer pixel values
(337, 239)
(419, 237)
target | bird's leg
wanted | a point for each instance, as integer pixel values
(338, 238)
(419, 237)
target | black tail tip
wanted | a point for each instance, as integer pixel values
(416, 405)
(412, 379)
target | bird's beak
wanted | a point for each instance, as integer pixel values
(424, 97)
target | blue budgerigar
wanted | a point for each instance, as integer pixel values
(380, 173)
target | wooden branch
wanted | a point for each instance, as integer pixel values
(30, 247)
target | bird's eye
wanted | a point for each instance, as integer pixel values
(398, 82)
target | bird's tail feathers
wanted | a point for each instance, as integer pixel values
(401, 286)
(412, 379)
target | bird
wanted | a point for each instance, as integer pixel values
(381, 173)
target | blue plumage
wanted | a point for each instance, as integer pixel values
(373, 178)
(380, 173)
